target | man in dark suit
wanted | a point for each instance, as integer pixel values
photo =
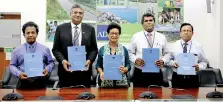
(74, 33)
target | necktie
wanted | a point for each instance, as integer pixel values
(185, 48)
(76, 36)
(150, 39)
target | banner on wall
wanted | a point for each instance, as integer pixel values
(127, 13)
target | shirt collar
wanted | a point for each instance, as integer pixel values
(189, 42)
(33, 45)
(150, 32)
(73, 25)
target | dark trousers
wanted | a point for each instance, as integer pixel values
(145, 79)
(75, 78)
(185, 81)
(32, 83)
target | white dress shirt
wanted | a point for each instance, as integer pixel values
(139, 41)
(78, 30)
(192, 47)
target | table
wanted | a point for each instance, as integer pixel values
(110, 94)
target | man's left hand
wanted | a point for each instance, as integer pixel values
(159, 63)
(196, 67)
(87, 64)
(45, 72)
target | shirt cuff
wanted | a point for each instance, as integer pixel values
(164, 61)
(171, 63)
(134, 59)
(18, 73)
(48, 69)
(201, 66)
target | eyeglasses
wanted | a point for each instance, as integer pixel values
(116, 34)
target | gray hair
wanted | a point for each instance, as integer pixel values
(76, 6)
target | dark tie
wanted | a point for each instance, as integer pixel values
(185, 48)
(76, 36)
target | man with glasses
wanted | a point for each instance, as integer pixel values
(186, 45)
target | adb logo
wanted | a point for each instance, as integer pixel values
(102, 32)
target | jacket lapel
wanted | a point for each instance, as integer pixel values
(83, 29)
(69, 34)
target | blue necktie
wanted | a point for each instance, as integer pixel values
(185, 48)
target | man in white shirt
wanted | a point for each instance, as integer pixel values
(176, 16)
(186, 45)
(52, 29)
(148, 38)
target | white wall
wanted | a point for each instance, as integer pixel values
(221, 32)
(207, 26)
(31, 10)
(10, 31)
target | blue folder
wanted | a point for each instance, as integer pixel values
(150, 55)
(185, 62)
(77, 57)
(33, 64)
(111, 65)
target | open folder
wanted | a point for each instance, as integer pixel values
(186, 61)
(111, 64)
(33, 64)
(150, 55)
(77, 57)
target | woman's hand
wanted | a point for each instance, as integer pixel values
(123, 69)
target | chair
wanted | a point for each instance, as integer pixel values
(9, 80)
(167, 72)
(209, 67)
(94, 73)
(54, 74)
(218, 76)
(131, 72)
(207, 78)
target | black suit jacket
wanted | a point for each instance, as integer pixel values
(63, 39)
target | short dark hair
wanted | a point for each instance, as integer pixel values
(175, 9)
(168, 10)
(112, 26)
(186, 24)
(147, 15)
(30, 24)
(163, 12)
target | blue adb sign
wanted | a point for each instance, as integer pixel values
(102, 32)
